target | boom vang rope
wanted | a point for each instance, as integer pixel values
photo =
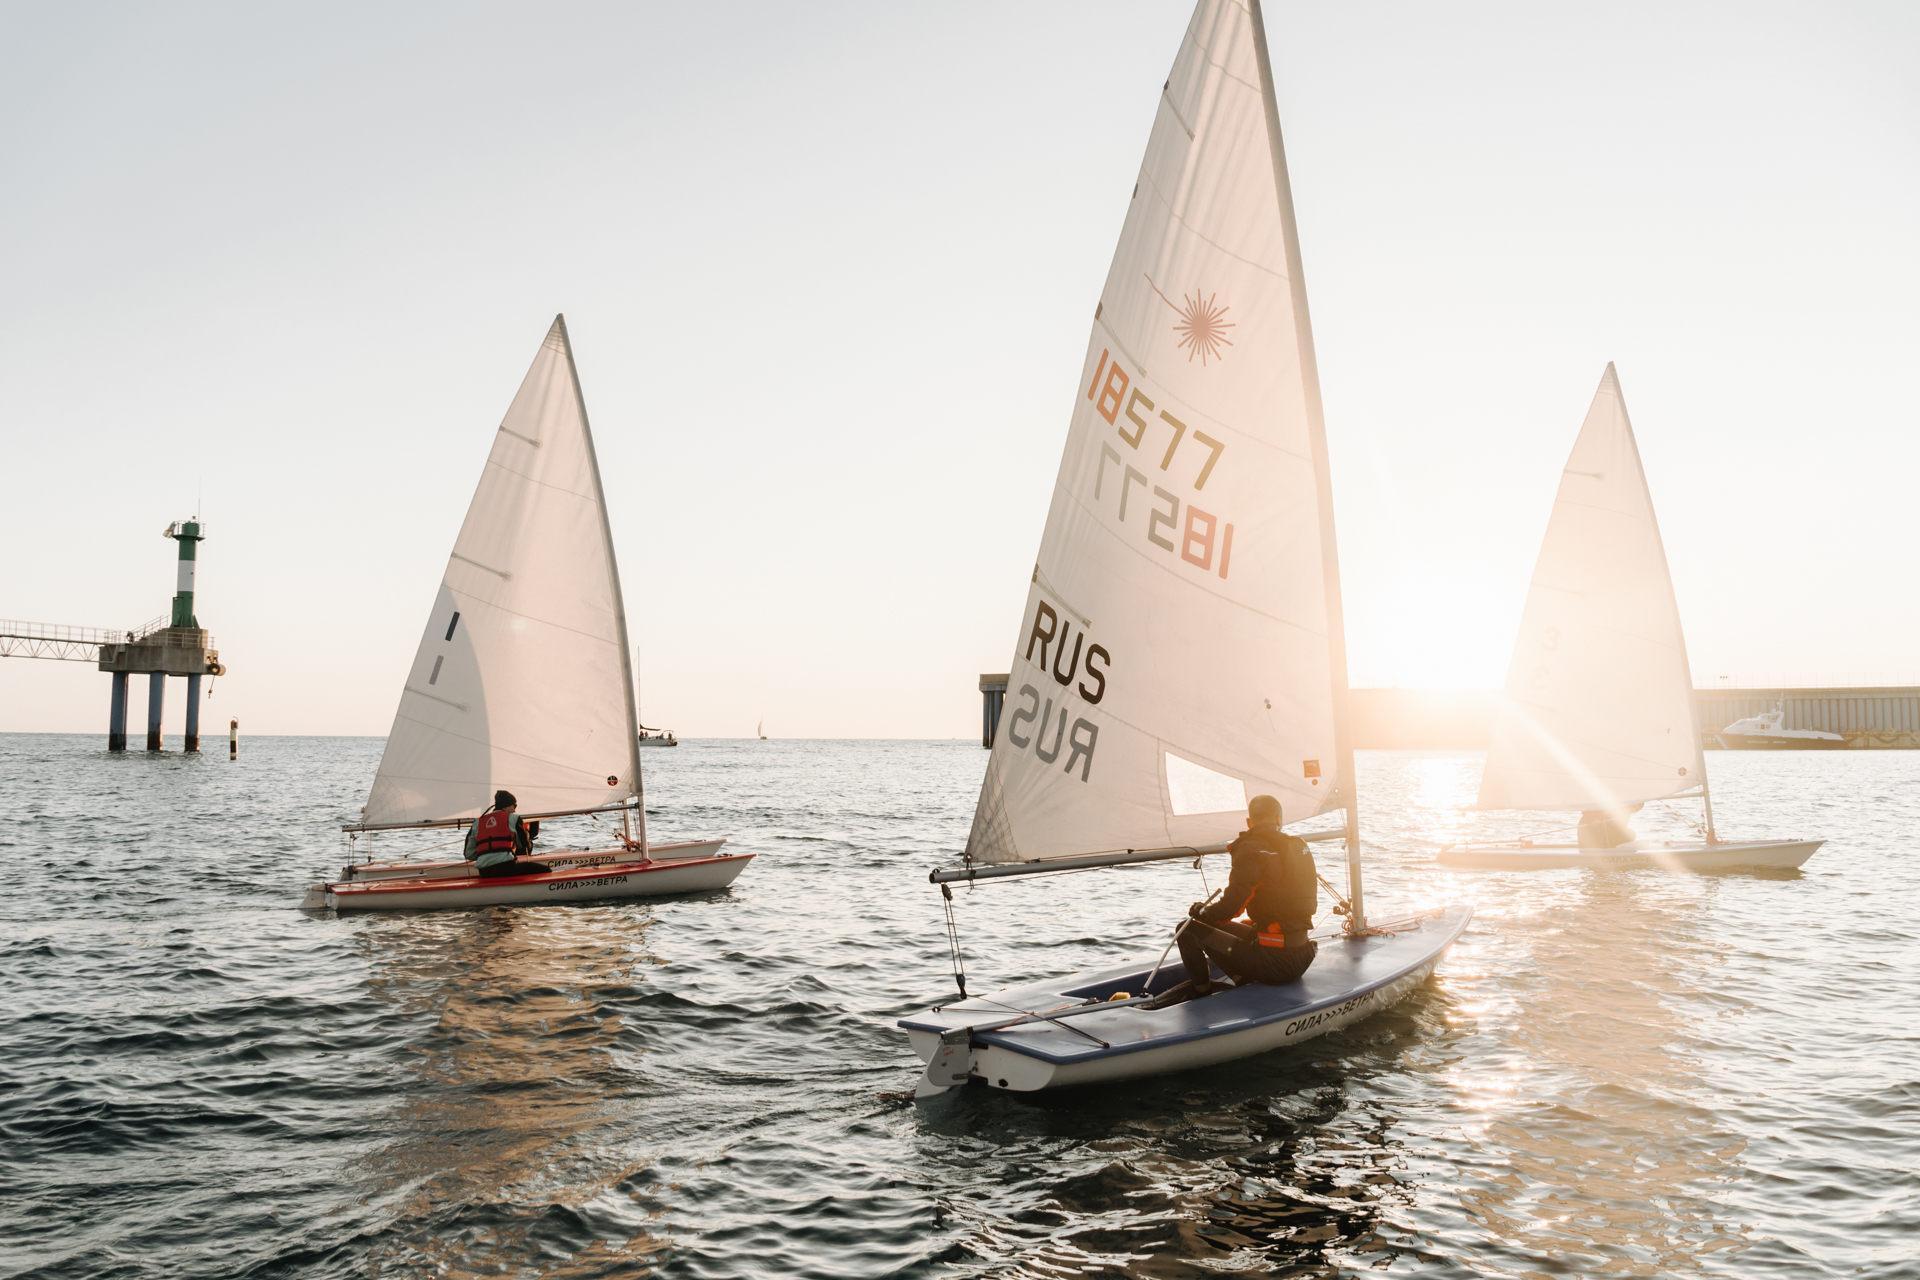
(953, 942)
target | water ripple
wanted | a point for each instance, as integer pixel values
(1622, 1073)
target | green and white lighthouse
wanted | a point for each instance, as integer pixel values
(178, 648)
(187, 534)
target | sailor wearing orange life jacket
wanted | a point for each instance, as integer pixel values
(1275, 882)
(498, 837)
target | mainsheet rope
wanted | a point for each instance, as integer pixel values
(958, 959)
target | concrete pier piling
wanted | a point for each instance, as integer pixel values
(156, 703)
(117, 719)
(192, 742)
(993, 696)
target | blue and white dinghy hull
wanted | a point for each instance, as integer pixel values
(1351, 979)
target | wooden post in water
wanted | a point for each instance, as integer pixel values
(233, 741)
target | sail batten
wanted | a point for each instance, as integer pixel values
(1597, 712)
(1201, 660)
(522, 680)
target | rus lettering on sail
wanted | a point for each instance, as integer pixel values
(1051, 632)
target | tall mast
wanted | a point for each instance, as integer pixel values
(619, 601)
(1322, 475)
(1680, 633)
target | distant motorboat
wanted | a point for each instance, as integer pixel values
(1768, 732)
(657, 737)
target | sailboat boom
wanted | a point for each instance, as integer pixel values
(994, 870)
(428, 824)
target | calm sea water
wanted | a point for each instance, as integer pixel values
(1619, 1073)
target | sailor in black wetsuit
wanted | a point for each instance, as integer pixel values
(1274, 882)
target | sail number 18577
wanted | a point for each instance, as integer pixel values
(1203, 540)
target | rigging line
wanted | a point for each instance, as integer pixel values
(1058, 1022)
(1028, 1013)
(953, 942)
(1344, 905)
(1061, 1022)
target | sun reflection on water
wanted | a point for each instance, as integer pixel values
(522, 1066)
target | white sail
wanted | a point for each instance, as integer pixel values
(522, 679)
(1181, 647)
(1598, 707)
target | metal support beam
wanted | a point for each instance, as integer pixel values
(193, 715)
(117, 717)
(156, 702)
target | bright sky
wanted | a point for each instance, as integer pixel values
(829, 271)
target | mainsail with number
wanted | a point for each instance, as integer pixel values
(1598, 707)
(522, 680)
(1181, 649)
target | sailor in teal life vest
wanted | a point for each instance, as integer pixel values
(498, 838)
(1275, 882)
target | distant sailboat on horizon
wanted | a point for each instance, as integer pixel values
(762, 730)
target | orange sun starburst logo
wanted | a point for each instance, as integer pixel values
(1203, 325)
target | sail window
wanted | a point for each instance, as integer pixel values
(1194, 788)
(435, 677)
(451, 625)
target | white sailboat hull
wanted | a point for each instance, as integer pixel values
(1725, 855)
(1350, 979)
(558, 859)
(592, 883)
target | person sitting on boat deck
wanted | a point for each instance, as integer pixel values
(1606, 828)
(1275, 882)
(497, 839)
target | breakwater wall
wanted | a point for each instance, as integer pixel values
(1878, 718)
